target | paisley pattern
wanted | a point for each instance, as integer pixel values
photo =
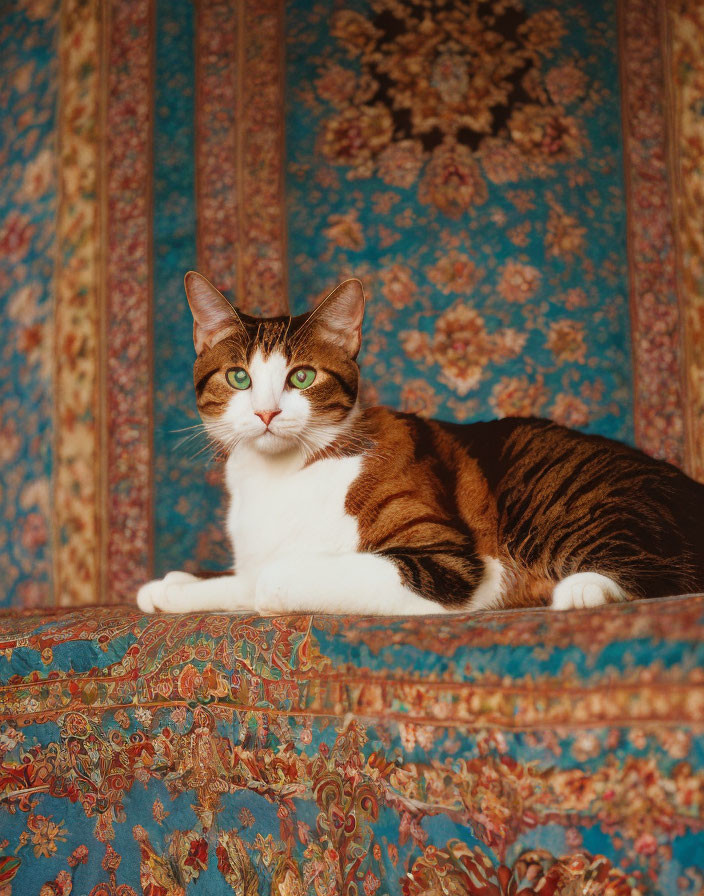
(501, 754)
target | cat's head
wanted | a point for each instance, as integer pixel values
(276, 383)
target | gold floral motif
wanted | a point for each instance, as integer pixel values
(462, 346)
(443, 86)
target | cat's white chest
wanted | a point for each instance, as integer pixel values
(277, 509)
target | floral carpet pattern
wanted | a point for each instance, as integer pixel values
(503, 754)
(457, 144)
(497, 172)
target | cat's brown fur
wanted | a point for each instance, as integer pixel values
(546, 500)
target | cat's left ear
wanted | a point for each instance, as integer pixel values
(339, 316)
(214, 318)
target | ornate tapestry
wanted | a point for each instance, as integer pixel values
(495, 171)
(521, 753)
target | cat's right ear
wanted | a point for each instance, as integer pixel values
(339, 316)
(214, 318)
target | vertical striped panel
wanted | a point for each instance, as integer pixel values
(128, 318)
(183, 503)
(685, 67)
(28, 195)
(240, 151)
(79, 524)
(216, 141)
(655, 316)
(262, 286)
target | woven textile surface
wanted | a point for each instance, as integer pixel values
(499, 173)
(499, 754)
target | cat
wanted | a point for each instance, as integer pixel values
(336, 509)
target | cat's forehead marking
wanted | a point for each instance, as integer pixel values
(268, 336)
(272, 335)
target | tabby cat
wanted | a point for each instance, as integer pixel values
(338, 509)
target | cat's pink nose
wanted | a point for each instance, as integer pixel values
(267, 416)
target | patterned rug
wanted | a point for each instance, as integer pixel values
(514, 753)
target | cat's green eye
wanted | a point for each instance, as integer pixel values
(238, 378)
(302, 377)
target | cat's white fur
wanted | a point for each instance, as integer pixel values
(586, 589)
(294, 544)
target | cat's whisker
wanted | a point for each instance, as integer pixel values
(195, 434)
(180, 444)
(199, 425)
(211, 446)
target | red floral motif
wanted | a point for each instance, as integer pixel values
(518, 282)
(336, 85)
(543, 31)
(356, 135)
(454, 272)
(453, 181)
(62, 885)
(197, 853)
(574, 298)
(398, 287)
(235, 864)
(569, 410)
(419, 397)
(501, 160)
(519, 396)
(34, 531)
(462, 346)
(157, 874)
(566, 83)
(345, 231)
(545, 135)
(16, 233)
(38, 177)
(565, 235)
(400, 163)
(354, 30)
(458, 869)
(566, 341)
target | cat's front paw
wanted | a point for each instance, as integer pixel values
(586, 589)
(161, 595)
(272, 593)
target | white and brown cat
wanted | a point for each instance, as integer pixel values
(336, 509)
